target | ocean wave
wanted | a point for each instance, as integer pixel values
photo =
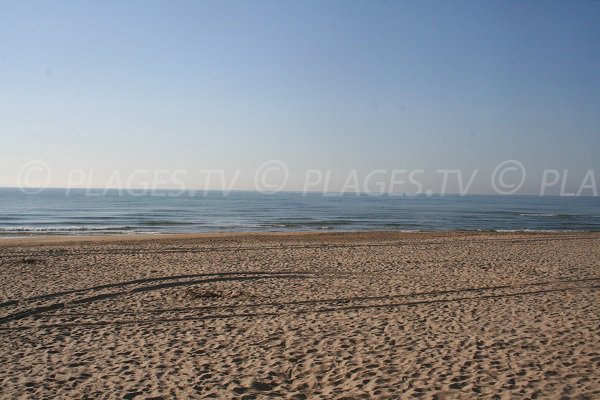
(538, 215)
(271, 225)
(82, 228)
(163, 223)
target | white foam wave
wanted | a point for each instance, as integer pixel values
(74, 228)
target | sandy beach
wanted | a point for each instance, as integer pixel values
(301, 316)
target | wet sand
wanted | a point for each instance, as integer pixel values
(301, 316)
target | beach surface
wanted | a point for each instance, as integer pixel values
(303, 316)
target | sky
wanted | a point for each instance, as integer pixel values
(105, 86)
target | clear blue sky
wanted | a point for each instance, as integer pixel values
(104, 85)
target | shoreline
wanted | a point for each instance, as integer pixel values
(291, 235)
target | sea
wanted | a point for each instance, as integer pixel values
(109, 212)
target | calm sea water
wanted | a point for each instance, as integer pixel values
(56, 211)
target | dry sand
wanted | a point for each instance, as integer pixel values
(356, 316)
